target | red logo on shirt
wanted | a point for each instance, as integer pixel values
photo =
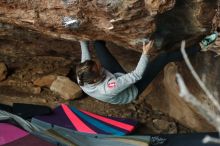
(112, 85)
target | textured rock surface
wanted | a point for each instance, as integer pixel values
(34, 43)
(165, 126)
(46, 57)
(172, 104)
(3, 71)
(45, 81)
(125, 22)
(66, 88)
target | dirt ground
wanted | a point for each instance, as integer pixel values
(27, 61)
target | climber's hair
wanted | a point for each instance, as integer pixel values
(88, 72)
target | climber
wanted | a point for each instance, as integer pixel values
(109, 82)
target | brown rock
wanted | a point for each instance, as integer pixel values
(124, 22)
(170, 102)
(3, 71)
(165, 126)
(66, 88)
(45, 81)
(36, 90)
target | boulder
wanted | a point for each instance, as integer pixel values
(165, 126)
(172, 104)
(125, 22)
(36, 90)
(66, 88)
(45, 81)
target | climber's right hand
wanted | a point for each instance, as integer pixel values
(147, 47)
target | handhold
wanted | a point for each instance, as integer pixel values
(110, 28)
(69, 2)
(71, 22)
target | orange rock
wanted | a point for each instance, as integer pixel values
(45, 81)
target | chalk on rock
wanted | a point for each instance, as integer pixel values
(66, 88)
(70, 2)
(70, 22)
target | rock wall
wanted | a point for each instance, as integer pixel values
(123, 22)
(172, 104)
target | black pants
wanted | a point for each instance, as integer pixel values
(153, 68)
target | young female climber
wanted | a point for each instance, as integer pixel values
(109, 82)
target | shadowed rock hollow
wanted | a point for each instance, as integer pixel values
(126, 23)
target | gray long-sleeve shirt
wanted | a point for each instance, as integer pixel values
(116, 88)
